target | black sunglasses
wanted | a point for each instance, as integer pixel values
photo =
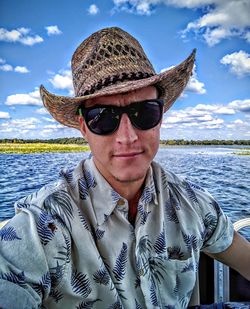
(105, 119)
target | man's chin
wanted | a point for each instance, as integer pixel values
(129, 179)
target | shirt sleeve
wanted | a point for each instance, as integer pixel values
(30, 245)
(217, 229)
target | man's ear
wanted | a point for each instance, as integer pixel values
(82, 125)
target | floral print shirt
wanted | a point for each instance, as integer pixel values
(70, 245)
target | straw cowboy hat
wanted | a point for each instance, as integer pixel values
(109, 62)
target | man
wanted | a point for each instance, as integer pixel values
(117, 231)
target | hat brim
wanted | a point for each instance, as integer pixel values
(172, 83)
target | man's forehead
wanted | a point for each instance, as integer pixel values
(122, 99)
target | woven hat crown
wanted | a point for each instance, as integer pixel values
(109, 56)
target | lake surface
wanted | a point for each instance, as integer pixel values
(226, 175)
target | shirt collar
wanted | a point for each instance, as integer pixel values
(104, 198)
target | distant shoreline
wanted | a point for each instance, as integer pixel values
(169, 142)
(27, 147)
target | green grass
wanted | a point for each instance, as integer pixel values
(9, 148)
(243, 153)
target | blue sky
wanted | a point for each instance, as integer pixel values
(37, 39)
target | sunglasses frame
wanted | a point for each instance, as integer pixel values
(82, 111)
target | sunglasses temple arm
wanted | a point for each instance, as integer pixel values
(80, 111)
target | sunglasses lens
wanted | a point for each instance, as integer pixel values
(105, 120)
(101, 120)
(147, 115)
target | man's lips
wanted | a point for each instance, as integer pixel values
(127, 154)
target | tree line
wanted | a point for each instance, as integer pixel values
(82, 141)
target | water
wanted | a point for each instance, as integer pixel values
(223, 173)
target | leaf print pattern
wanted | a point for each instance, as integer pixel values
(87, 304)
(65, 255)
(21, 205)
(188, 267)
(156, 267)
(195, 186)
(80, 284)
(177, 285)
(56, 274)
(116, 305)
(137, 305)
(146, 195)
(101, 276)
(210, 222)
(85, 183)
(170, 212)
(160, 244)
(153, 295)
(59, 205)
(8, 233)
(190, 192)
(164, 179)
(67, 174)
(190, 241)
(99, 234)
(43, 285)
(45, 227)
(14, 278)
(174, 200)
(144, 245)
(56, 295)
(115, 196)
(217, 208)
(143, 214)
(120, 264)
(84, 221)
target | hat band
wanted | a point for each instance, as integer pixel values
(112, 80)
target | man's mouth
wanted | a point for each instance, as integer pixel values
(128, 154)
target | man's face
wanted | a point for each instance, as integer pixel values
(125, 155)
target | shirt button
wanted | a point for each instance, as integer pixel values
(121, 202)
(141, 272)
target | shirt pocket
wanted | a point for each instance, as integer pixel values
(174, 279)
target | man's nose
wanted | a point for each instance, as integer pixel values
(126, 133)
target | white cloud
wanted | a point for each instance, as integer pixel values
(32, 98)
(53, 30)
(224, 19)
(49, 119)
(200, 116)
(54, 126)
(15, 125)
(204, 121)
(63, 80)
(4, 115)
(19, 35)
(240, 105)
(6, 67)
(42, 111)
(20, 69)
(93, 9)
(239, 63)
(141, 7)
(221, 19)
(194, 85)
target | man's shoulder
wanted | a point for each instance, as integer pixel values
(63, 188)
